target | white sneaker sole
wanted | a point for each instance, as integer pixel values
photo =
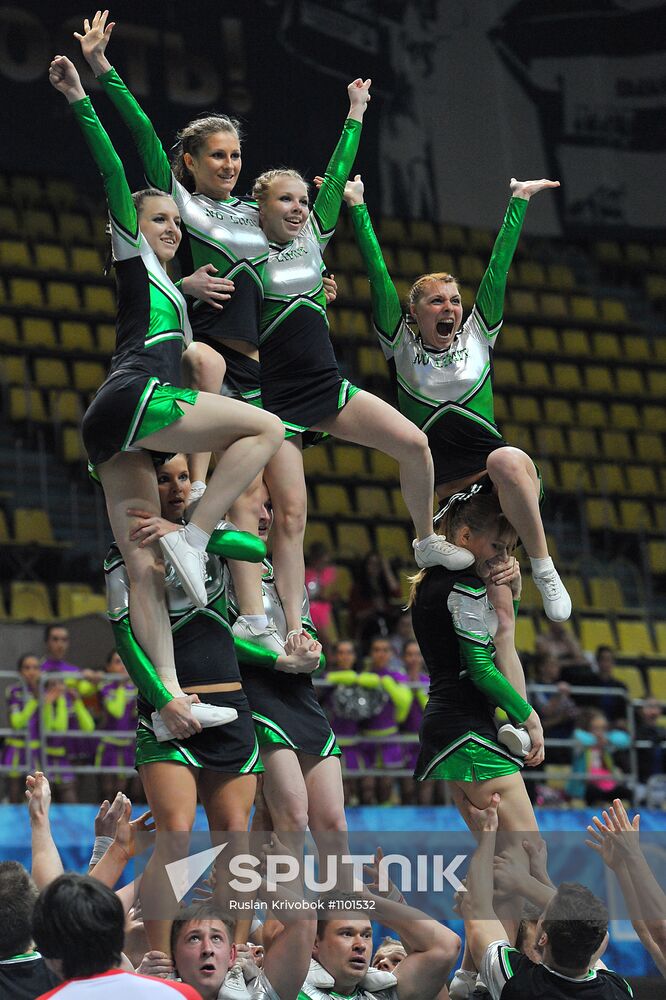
(207, 715)
(516, 740)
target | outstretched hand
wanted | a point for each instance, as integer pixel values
(38, 794)
(108, 815)
(525, 189)
(354, 193)
(64, 76)
(94, 41)
(359, 98)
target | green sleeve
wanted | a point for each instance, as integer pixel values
(139, 667)
(118, 194)
(83, 717)
(401, 696)
(483, 673)
(386, 307)
(155, 161)
(20, 719)
(516, 606)
(116, 703)
(490, 296)
(57, 718)
(329, 199)
(229, 543)
(254, 656)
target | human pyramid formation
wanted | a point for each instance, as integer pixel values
(220, 644)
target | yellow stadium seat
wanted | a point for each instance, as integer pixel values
(86, 260)
(26, 404)
(577, 592)
(591, 413)
(520, 436)
(567, 377)
(530, 598)
(64, 406)
(349, 461)
(481, 239)
(575, 477)
(606, 346)
(372, 501)
(403, 288)
(393, 231)
(398, 503)
(631, 676)
(348, 255)
(14, 253)
(615, 444)
(471, 268)
(536, 375)
(410, 263)
(657, 680)
(634, 638)
(343, 583)
(332, 501)
(526, 409)
(660, 637)
(361, 288)
(561, 276)
(642, 479)
(51, 373)
(61, 193)
(353, 323)
(514, 338)
(8, 331)
(76, 336)
(583, 307)
(62, 295)
(37, 223)
(30, 602)
(501, 406)
(106, 338)
(523, 303)
(635, 515)
(38, 332)
(392, 542)
(655, 286)
(25, 292)
(318, 531)
(530, 272)
(599, 378)
(441, 263)
(50, 257)
(316, 461)
(26, 189)
(384, 468)
(624, 416)
(4, 529)
(353, 540)
(657, 383)
(371, 362)
(506, 373)
(600, 514)
(637, 253)
(550, 441)
(344, 288)
(606, 593)
(654, 417)
(582, 442)
(657, 555)
(66, 593)
(32, 525)
(545, 340)
(74, 226)
(452, 236)
(525, 634)
(99, 299)
(72, 446)
(88, 375)
(9, 221)
(649, 448)
(629, 382)
(423, 234)
(614, 311)
(13, 369)
(609, 478)
(637, 347)
(575, 343)
(595, 632)
(554, 304)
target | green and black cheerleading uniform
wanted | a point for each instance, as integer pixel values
(285, 707)
(300, 378)
(205, 653)
(225, 233)
(454, 624)
(139, 396)
(447, 393)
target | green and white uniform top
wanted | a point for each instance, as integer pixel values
(225, 233)
(375, 985)
(152, 327)
(447, 393)
(300, 379)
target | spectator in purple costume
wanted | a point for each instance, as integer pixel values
(118, 700)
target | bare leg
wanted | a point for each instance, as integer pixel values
(285, 790)
(244, 513)
(203, 368)
(514, 475)
(326, 815)
(371, 422)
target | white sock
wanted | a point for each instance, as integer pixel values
(541, 566)
(196, 537)
(260, 622)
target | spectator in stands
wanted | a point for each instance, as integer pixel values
(401, 632)
(560, 642)
(613, 706)
(557, 709)
(344, 711)
(414, 669)
(320, 576)
(379, 750)
(596, 743)
(651, 759)
(372, 600)
(68, 715)
(21, 752)
(78, 924)
(118, 700)
(24, 974)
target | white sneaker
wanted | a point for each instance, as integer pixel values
(268, 638)
(515, 738)
(556, 600)
(207, 715)
(189, 563)
(462, 985)
(436, 551)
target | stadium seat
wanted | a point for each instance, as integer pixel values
(525, 634)
(606, 346)
(649, 448)
(74, 226)
(606, 593)
(575, 343)
(343, 583)
(657, 555)
(442, 263)
(635, 516)
(526, 409)
(470, 268)
(318, 531)
(637, 347)
(520, 436)
(76, 336)
(392, 542)
(550, 441)
(634, 638)
(500, 406)
(393, 231)
(577, 592)
(506, 373)
(32, 525)
(86, 260)
(595, 632)
(452, 237)
(371, 362)
(37, 224)
(654, 417)
(25, 292)
(353, 540)
(372, 501)
(575, 476)
(26, 190)
(637, 253)
(349, 461)
(531, 272)
(316, 461)
(536, 375)
(14, 254)
(410, 263)
(590, 413)
(582, 442)
(554, 304)
(8, 331)
(13, 369)
(88, 375)
(657, 383)
(545, 340)
(514, 339)
(567, 377)
(630, 676)
(9, 221)
(659, 512)
(398, 503)
(72, 445)
(64, 406)
(361, 288)
(62, 295)
(383, 467)
(624, 416)
(657, 680)
(61, 193)
(600, 514)
(38, 332)
(614, 311)
(26, 404)
(423, 234)
(105, 334)
(523, 303)
(51, 373)
(481, 240)
(332, 501)
(615, 445)
(30, 602)
(99, 299)
(561, 276)
(599, 379)
(50, 257)
(583, 307)
(609, 477)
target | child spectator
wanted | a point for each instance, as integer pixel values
(593, 755)
(21, 752)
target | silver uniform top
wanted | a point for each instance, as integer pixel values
(272, 604)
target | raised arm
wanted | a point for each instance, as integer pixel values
(94, 41)
(46, 862)
(329, 199)
(64, 77)
(490, 296)
(386, 309)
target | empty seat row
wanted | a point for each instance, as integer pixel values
(84, 376)
(591, 378)
(19, 254)
(32, 601)
(39, 224)
(582, 442)
(29, 293)
(26, 190)
(66, 335)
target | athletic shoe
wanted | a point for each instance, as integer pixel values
(268, 638)
(436, 551)
(462, 985)
(189, 563)
(515, 738)
(556, 601)
(207, 715)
